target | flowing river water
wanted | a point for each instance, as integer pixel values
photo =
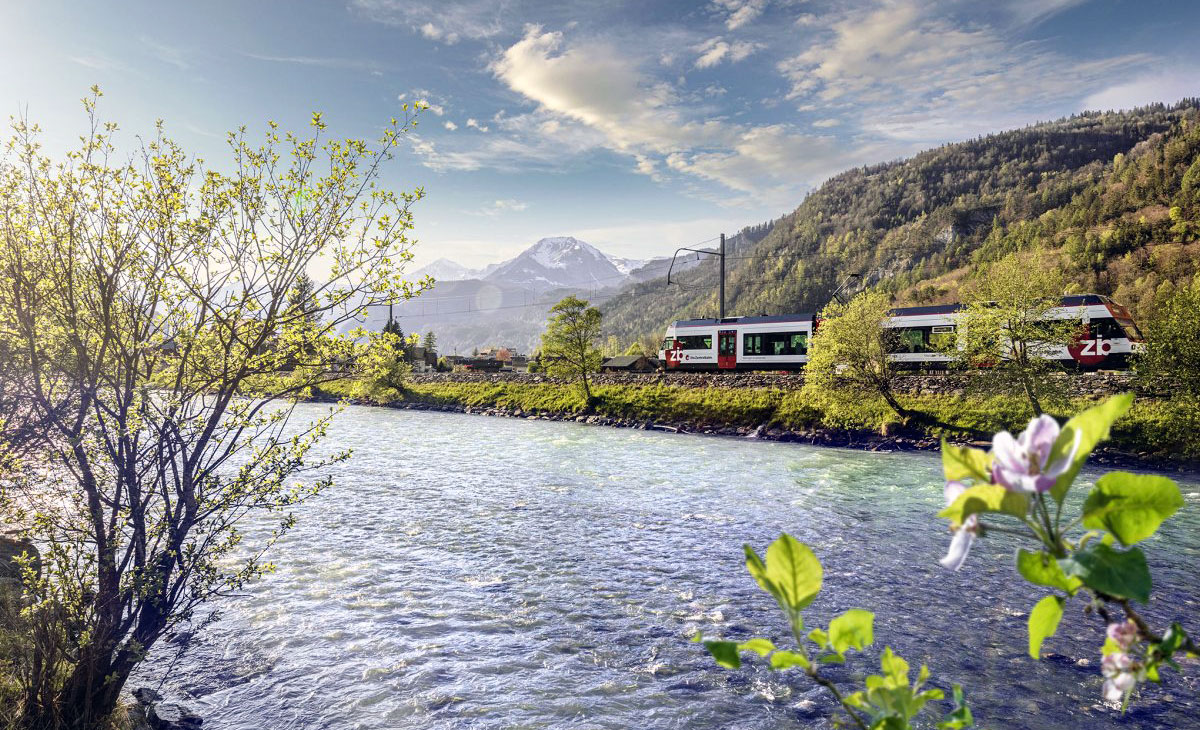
(471, 572)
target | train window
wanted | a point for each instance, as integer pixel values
(911, 339)
(942, 338)
(1107, 328)
(775, 343)
(1129, 328)
(695, 342)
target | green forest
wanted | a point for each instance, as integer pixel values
(1113, 197)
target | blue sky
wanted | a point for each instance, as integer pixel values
(638, 126)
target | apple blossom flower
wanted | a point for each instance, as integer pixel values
(1119, 677)
(1022, 464)
(964, 536)
(1123, 634)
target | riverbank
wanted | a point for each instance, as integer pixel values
(1158, 433)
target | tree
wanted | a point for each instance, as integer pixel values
(303, 299)
(1172, 345)
(848, 354)
(1006, 328)
(393, 328)
(569, 343)
(150, 304)
(430, 342)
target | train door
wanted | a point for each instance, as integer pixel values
(727, 349)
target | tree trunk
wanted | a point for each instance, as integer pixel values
(885, 390)
(1030, 393)
(91, 693)
(589, 401)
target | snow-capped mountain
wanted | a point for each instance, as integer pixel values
(551, 263)
(447, 270)
(561, 262)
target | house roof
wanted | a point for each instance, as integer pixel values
(622, 361)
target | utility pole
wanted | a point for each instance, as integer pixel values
(720, 254)
(721, 295)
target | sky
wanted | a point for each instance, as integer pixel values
(637, 125)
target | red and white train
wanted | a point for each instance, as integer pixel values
(1108, 336)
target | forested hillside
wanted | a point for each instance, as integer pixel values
(1116, 196)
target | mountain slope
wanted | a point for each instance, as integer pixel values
(1095, 187)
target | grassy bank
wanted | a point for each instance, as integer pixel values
(1161, 428)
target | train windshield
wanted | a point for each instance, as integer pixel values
(1122, 317)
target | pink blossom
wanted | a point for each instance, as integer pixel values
(1119, 677)
(1123, 634)
(964, 536)
(1021, 464)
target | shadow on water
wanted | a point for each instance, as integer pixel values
(496, 573)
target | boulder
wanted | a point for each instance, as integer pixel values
(12, 548)
(160, 716)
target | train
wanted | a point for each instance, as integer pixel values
(927, 338)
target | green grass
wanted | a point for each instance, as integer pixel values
(1164, 428)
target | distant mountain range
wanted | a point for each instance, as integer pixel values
(560, 262)
(506, 303)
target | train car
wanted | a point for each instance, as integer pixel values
(738, 343)
(926, 338)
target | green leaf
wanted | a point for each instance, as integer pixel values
(758, 569)
(762, 647)
(1086, 429)
(1043, 622)
(986, 498)
(961, 716)
(795, 571)
(894, 666)
(1043, 570)
(963, 462)
(725, 652)
(854, 628)
(1113, 573)
(819, 637)
(785, 659)
(1131, 506)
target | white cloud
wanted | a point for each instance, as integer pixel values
(450, 125)
(715, 50)
(167, 54)
(934, 80)
(474, 123)
(826, 123)
(98, 62)
(496, 207)
(596, 86)
(352, 64)
(711, 52)
(1164, 85)
(1032, 12)
(439, 19)
(434, 103)
(740, 12)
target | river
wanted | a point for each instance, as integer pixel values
(471, 572)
